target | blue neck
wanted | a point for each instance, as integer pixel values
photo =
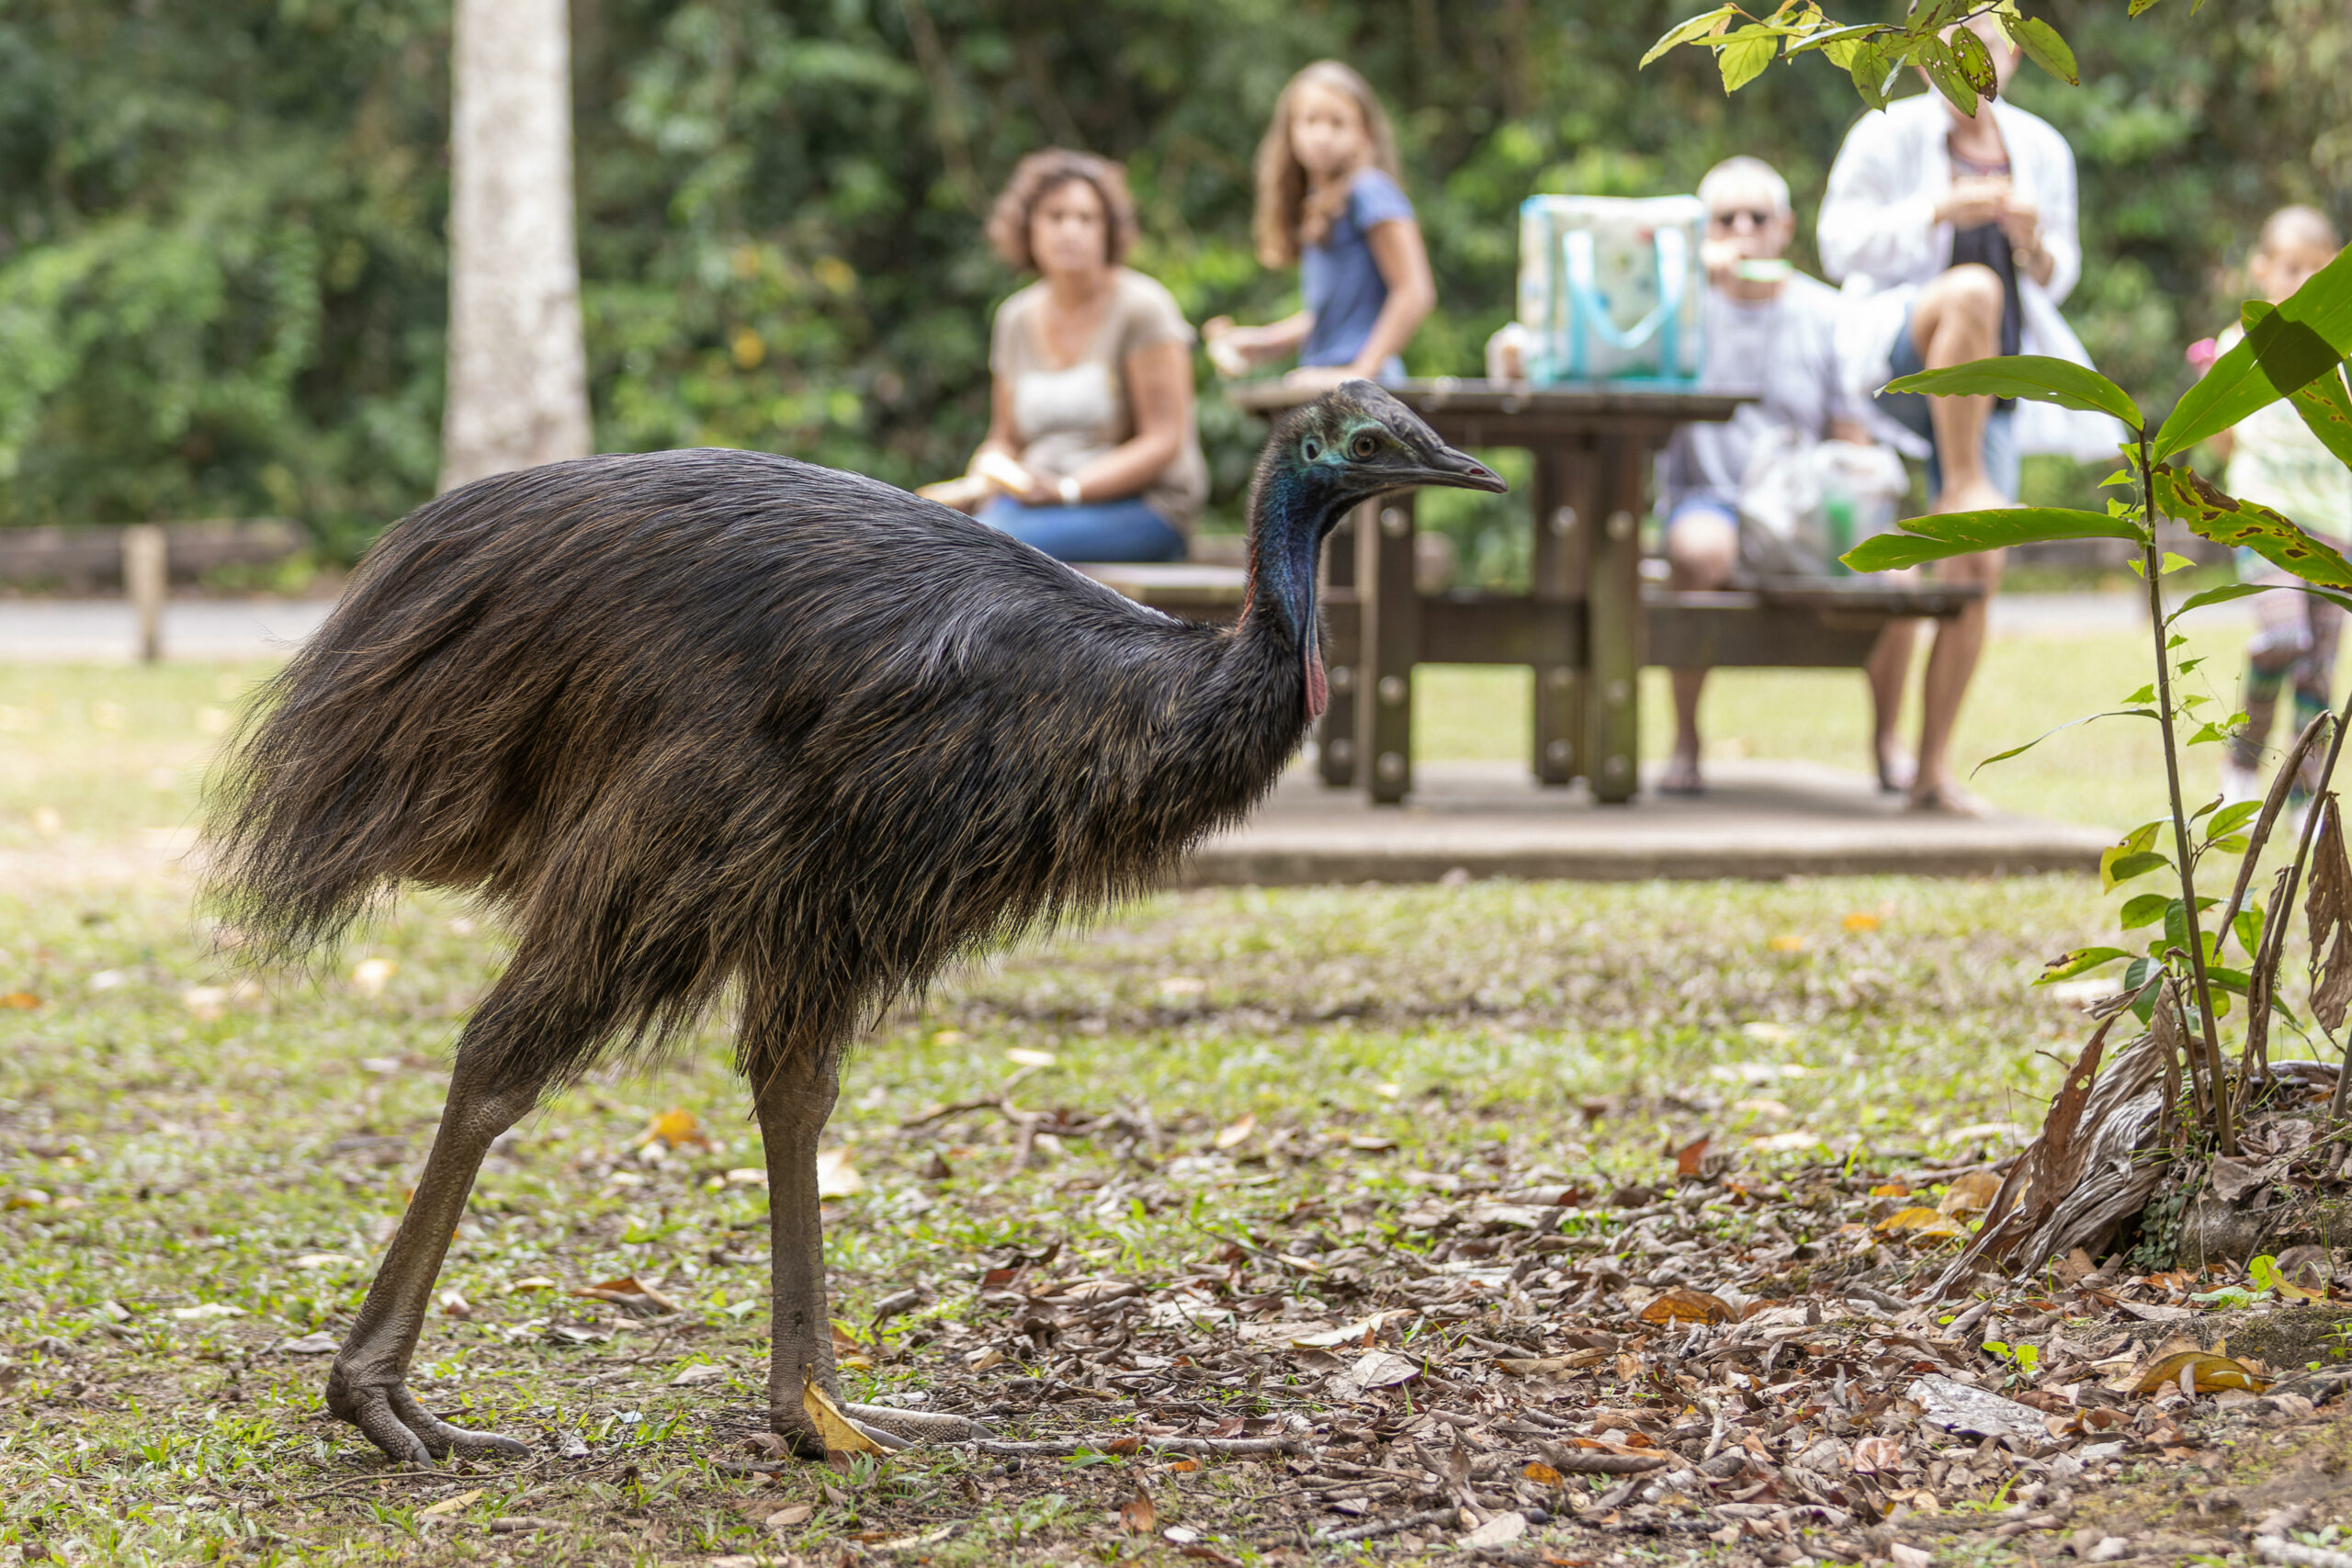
(1291, 519)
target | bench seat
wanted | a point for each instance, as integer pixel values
(1803, 624)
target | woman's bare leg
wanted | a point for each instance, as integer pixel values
(1957, 318)
(1701, 550)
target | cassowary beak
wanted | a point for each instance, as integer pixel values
(1454, 471)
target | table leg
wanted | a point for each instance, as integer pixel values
(1562, 494)
(1613, 621)
(1335, 732)
(1390, 643)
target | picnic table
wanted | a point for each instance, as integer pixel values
(1586, 626)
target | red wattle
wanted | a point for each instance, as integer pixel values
(1318, 690)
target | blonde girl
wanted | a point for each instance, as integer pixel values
(1330, 203)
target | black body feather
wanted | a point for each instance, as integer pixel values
(705, 718)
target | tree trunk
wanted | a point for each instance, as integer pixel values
(518, 378)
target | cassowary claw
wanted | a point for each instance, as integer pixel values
(392, 1420)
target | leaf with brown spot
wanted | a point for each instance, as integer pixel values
(2226, 520)
(1683, 1305)
(1139, 1515)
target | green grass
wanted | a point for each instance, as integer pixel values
(2107, 774)
(92, 754)
(175, 1140)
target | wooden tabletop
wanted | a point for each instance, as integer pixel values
(1503, 400)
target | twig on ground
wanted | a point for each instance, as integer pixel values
(1379, 1527)
(1592, 1462)
(1061, 1448)
(2278, 1549)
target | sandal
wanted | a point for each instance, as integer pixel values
(1949, 800)
(1897, 771)
(1682, 778)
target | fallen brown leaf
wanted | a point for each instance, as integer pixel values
(1682, 1306)
(1876, 1454)
(1139, 1514)
(674, 1129)
(1971, 1194)
(1920, 1223)
(2209, 1373)
(833, 1426)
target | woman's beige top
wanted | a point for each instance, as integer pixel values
(1063, 419)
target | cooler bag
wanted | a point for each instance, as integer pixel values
(1610, 288)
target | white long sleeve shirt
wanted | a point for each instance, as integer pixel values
(1879, 240)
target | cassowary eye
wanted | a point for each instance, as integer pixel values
(1364, 445)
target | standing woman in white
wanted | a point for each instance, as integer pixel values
(1953, 235)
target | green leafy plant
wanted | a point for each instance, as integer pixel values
(2022, 1358)
(2180, 977)
(1874, 53)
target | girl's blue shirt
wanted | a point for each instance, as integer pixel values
(1340, 280)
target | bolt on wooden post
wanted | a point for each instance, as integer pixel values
(146, 575)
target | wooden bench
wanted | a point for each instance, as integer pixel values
(1799, 624)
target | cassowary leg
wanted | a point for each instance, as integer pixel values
(793, 1095)
(368, 1387)
(794, 1099)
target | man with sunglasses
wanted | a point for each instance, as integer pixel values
(1954, 235)
(1770, 334)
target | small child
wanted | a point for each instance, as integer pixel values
(1329, 201)
(2275, 461)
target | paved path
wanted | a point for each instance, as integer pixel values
(1759, 818)
(101, 631)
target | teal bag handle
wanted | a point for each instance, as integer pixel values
(1671, 248)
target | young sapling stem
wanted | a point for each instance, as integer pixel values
(2223, 1134)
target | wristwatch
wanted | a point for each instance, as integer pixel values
(1068, 489)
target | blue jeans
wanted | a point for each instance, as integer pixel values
(2003, 466)
(1097, 530)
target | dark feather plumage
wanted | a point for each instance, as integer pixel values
(711, 719)
(697, 718)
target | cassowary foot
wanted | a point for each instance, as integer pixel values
(392, 1420)
(917, 1426)
(885, 1425)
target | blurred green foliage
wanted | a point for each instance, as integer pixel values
(222, 255)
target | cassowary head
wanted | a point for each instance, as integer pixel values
(1356, 442)
(1348, 445)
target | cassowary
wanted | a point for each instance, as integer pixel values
(709, 722)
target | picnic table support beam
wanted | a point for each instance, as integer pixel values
(1561, 497)
(1390, 642)
(1335, 733)
(1613, 621)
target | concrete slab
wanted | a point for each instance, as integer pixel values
(105, 631)
(1759, 820)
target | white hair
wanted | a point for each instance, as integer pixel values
(1744, 170)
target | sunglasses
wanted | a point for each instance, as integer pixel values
(1729, 216)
